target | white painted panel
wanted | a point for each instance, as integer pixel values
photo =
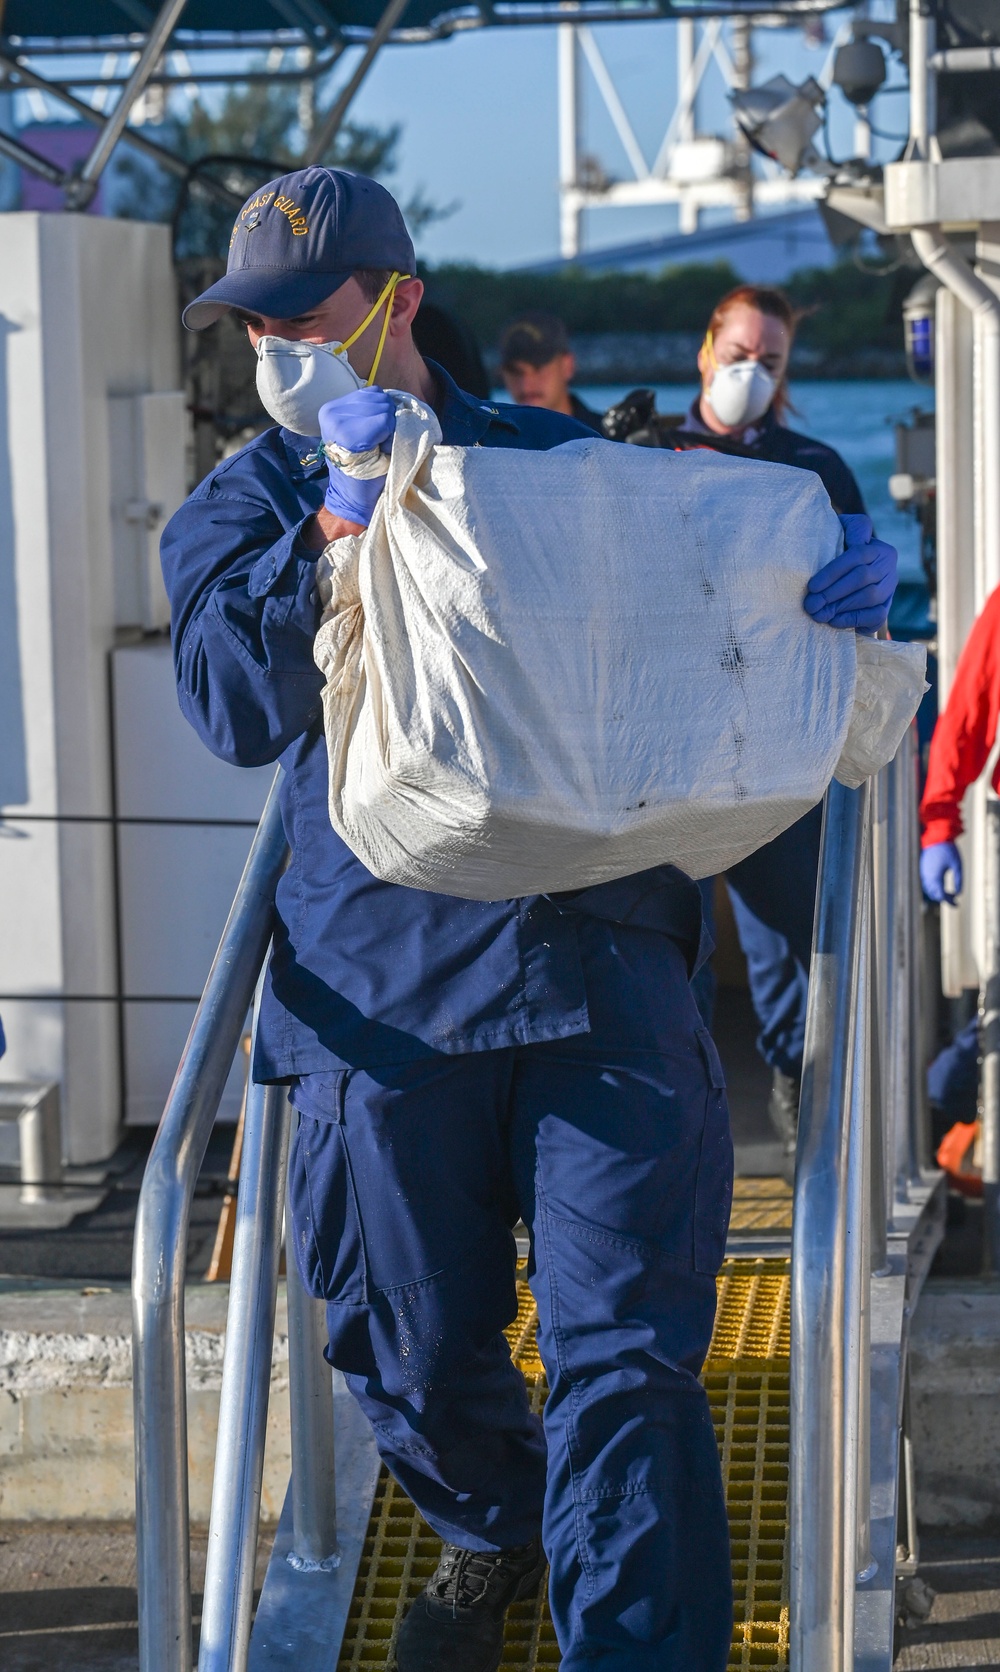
(163, 435)
(87, 313)
(147, 439)
(154, 1040)
(164, 769)
(177, 885)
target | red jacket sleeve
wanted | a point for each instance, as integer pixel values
(964, 734)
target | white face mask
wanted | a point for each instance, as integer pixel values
(741, 393)
(295, 379)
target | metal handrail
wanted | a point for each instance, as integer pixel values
(159, 1390)
(821, 1494)
(860, 1080)
(859, 1152)
(227, 1609)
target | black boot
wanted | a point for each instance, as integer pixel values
(456, 1623)
(783, 1111)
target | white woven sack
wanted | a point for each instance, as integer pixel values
(548, 669)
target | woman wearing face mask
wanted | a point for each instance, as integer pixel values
(743, 364)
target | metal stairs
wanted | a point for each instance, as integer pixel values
(806, 1375)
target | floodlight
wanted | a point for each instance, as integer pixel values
(779, 119)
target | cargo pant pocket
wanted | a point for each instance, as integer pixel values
(326, 1224)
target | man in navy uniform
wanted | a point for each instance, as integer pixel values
(537, 366)
(457, 1064)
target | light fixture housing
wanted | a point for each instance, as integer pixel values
(779, 119)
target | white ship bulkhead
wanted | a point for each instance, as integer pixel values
(108, 928)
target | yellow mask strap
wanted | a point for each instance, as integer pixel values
(385, 297)
(710, 350)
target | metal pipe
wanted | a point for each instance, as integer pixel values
(612, 102)
(954, 271)
(204, 77)
(310, 1400)
(159, 1391)
(685, 79)
(569, 140)
(28, 78)
(878, 1021)
(227, 1609)
(821, 1538)
(898, 1005)
(918, 1124)
(330, 125)
(954, 357)
(923, 81)
(989, 1033)
(965, 58)
(984, 305)
(15, 152)
(82, 189)
(857, 1307)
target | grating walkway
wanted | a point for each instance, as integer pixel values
(761, 1205)
(746, 1378)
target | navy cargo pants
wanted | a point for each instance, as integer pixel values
(773, 895)
(614, 1147)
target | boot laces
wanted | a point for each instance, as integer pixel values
(465, 1577)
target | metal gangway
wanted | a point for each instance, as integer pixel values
(831, 1484)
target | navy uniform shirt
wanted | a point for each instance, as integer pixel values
(767, 439)
(364, 972)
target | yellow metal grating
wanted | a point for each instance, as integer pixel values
(746, 1379)
(761, 1205)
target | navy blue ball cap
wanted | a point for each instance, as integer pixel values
(299, 238)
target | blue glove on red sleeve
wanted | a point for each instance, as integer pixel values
(935, 863)
(357, 423)
(855, 588)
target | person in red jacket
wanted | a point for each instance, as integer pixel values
(960, 748)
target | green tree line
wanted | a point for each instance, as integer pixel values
(843, 307)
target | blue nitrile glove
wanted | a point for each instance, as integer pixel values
(854, 589)
(357, 423)
(935, 863)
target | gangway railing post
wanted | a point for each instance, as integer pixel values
(906, 1112)
(900, 985)
(310, 1398)
(880, 987)
(917, 1125)
(158, 1379)
(825, 1320)
(227, 1610)
(860, 1215)
(989, 1025)
(314, 1478)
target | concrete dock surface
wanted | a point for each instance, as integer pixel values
(67, 1594)
(67, 1599)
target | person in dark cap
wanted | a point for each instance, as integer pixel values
(457, 1063)
(537, 366)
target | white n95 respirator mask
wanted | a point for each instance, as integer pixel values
(294, 379)
(741, 393)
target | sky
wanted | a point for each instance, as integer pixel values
(479, 114)
(478, 118)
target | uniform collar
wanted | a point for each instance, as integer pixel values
(464, 420)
